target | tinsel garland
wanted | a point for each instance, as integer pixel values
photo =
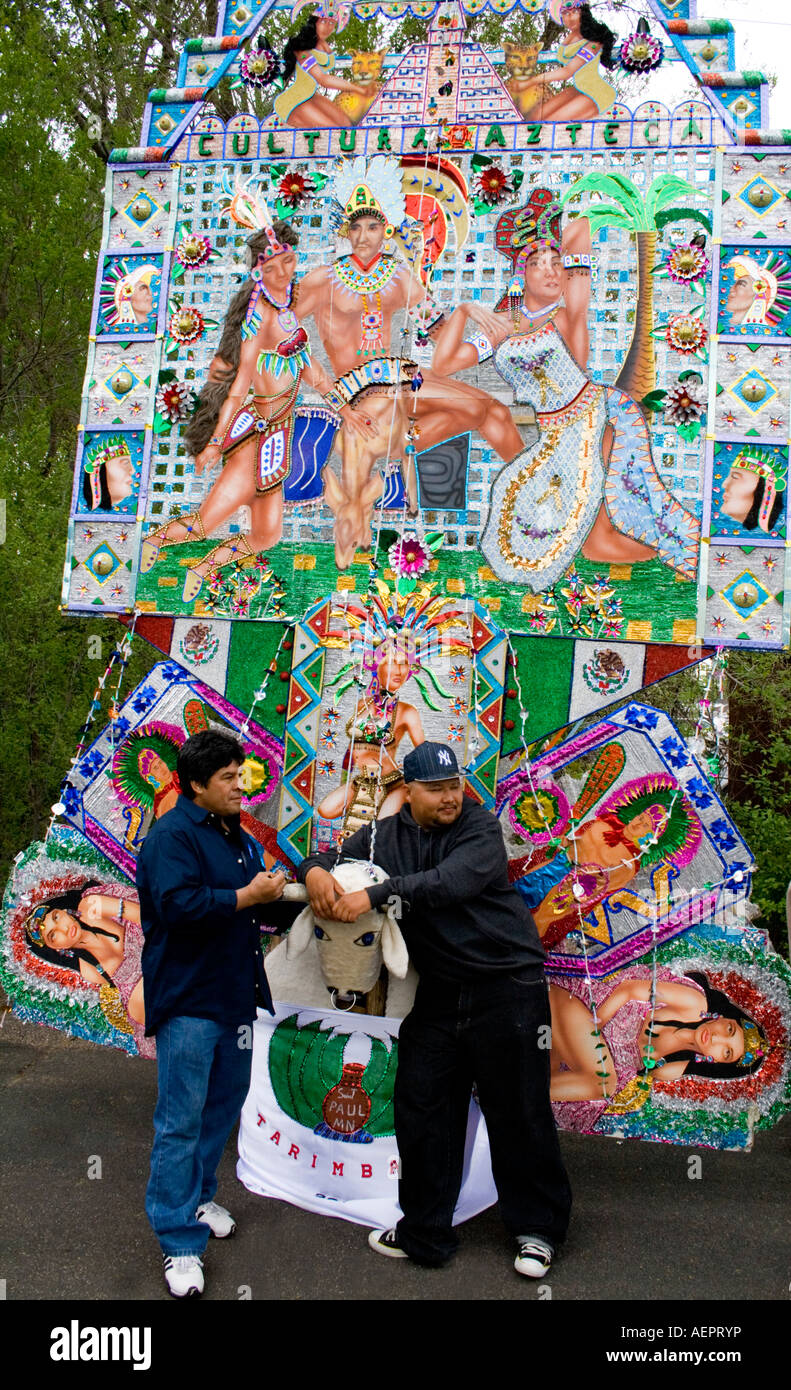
(702, 1111)
(52, 995)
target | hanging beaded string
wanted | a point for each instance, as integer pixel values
(115, 698)
(649, 1056)
(475, 679)
(707, 718)
(119, 657)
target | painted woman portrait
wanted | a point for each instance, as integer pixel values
(93, 930)
(586, 45)
(648, 821)
(589, 485)
(144, 773)
(697, 1031)
(398, 641)
(307, 65)
(264, 347)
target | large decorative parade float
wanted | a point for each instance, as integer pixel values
(524, 454)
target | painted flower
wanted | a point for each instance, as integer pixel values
(458, 675)
(698, 792)
(685, 402)
(187, 324)
(674, 751)
(193, 250)
(171, 671)
(144, 698)
(294, 188)
(90, 765)
(686, 263)
(641, 52)
(456, 733)
(259, 68)
(408, 557)
(175, 401)
(493, 185)
(71, 799)
(722, 834)
(641, 718)
(738, 874)
(326, 767)
(685, 333)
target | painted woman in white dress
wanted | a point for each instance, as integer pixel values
(589, 484)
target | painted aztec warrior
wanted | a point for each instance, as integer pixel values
(412, 205)
(263, 348)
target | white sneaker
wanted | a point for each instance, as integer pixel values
(219, 1221)
(534, 1258)
(386, 1243)
(184, 1275)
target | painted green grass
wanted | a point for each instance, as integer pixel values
(651, 595)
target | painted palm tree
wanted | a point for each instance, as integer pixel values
(644, 216)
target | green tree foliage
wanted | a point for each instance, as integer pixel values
(50, 222)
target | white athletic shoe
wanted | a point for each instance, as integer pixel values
(534, 1258)
(184, 1275)
(219, 1221)
(386, 1243)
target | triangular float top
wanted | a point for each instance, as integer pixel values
(733, 108)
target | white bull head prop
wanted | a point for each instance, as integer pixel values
(350, 953)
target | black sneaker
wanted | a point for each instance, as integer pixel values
(386, 1243)
(534, 1258)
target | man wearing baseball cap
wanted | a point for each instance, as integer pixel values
(480, 1015)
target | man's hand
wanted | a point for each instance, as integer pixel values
(323, 892)
(350, 906)
(357, 422)
(264, 888)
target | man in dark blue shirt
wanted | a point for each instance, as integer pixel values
(200, 883)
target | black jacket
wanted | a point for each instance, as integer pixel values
(458, 912)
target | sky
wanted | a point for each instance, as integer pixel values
(763, 43)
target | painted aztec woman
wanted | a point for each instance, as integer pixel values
(589, 484)
(263, 345)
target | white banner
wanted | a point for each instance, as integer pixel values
(317, 1126)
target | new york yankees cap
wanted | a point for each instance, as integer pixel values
(430, 762)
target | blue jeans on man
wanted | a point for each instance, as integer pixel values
(204, 1076)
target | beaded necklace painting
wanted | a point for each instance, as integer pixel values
(292, 354)
(350, 275)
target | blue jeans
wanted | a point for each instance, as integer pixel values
(493, 1031)
(204, 1077)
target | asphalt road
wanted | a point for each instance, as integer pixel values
(642, 1230)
